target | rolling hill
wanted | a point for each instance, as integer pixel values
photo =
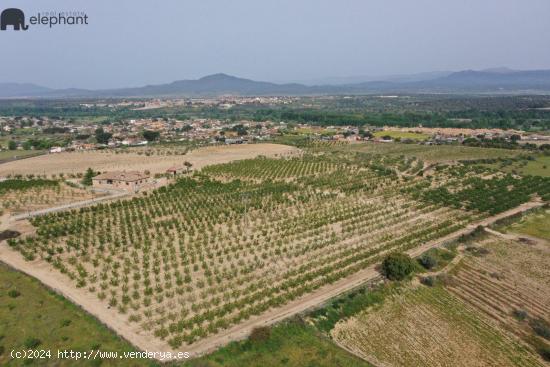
(496, 80)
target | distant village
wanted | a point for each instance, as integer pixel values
(56, 135)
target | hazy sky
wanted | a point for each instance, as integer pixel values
(137, 42)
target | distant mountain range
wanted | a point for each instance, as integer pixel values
(498, 80)
(369, 78)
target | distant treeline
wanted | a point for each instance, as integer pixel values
(510, 112)
(527, 119)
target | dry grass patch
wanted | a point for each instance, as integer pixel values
(430, 327)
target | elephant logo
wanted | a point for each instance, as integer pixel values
(13, 17)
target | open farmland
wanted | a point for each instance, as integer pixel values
(196, 257)
(78, 162)
(189, 260)
(10, 155)
(18, 196)
(507, 277)
(431, 153)
(31, 315)
(536, 165)
(430, 327)
(490, 309)
(536, 224)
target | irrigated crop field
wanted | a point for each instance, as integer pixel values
(236, 240)
(198, 256)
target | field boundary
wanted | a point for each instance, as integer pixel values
(7, 160)
(74, 205)
(89, 302)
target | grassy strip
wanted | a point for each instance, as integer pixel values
(536, 224)
(291, 343)
(32, 317)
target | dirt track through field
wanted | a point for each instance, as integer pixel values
(78, 204)
(131, 332)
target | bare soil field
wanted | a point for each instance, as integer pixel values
(512, 276)
(16, 202)
(78, 162)
(430, 327)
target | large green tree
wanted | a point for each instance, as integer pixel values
(101, 136)
(150, 135)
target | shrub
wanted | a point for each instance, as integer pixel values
(520, 314)
(544, 351)
(88, 176)
(428, 261)
(477, 251)
(14, 293)
(541, 327)
(397, 266)
(429, 281)
(260, 334)
(32, 342)
(8, 234)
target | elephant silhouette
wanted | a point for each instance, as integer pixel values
(13, 17)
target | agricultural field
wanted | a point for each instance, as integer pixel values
(536, 224)
(8, 155)
(426, 326)
(33, 317)
(26, 195)
(431, 153)
(179, 266)
(136, 159)
(186, 262)
(539, 166)
(506, 279)
(487, 308)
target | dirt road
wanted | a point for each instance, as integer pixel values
(145, 341)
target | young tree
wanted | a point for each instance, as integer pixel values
(187, 165)
(87, 180)
(12, 145)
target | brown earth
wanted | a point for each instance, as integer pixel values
(78, 162)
